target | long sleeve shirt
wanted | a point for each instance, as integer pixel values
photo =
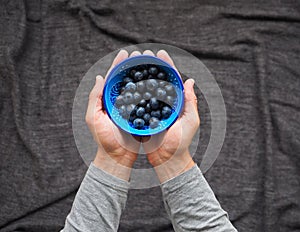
(188, 200)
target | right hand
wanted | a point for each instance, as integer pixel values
(176, 140)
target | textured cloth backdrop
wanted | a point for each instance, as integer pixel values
(252, 49)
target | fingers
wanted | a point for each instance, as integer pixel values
(190, 100)
(189, 93)
(162, 54)
(135, 53)
(148, 52)
(95, 100)
(122, 55)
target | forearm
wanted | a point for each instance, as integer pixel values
(191, 204)
(98, 204)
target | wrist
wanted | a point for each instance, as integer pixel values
(119, 167)
(177, 163)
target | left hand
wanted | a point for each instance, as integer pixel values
(117, 150)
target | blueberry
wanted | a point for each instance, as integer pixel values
(151, 77)
(144, 66)
(122, 111)
(170, 100)
(137, 97)
(131, 87)
(130, 109)
(151, 84)
(132, 117)
(147, 118)
(138, 123)
(154, 103)
(161, 76)
(166, 112)
(161, 93)
(145, 73)
(122, 90)
(132, 72)
(148, 108)
(143, 103)
(156, 113)
(140, 86)
(162, 83)
(170, 89)
(153, 122)
(138, 76)
(128, 98)
(153, 70)
(147, 96)
(127, 80)
(133, 112)
(119, 101)
(140, 112)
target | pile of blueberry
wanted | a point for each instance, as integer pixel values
(146, 96)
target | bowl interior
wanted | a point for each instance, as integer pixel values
(114, 83)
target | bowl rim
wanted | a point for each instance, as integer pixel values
(109, 77)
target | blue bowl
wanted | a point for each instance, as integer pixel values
(114, 82)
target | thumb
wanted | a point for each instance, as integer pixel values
(95, 98)
(190, 99)
(190, 110)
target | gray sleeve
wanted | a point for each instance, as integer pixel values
(98, 204)
(192, 205)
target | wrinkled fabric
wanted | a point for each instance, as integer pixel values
(251, 48)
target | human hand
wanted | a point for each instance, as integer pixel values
(117, 150)
(168, 152)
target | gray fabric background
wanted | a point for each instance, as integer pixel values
(251, 48)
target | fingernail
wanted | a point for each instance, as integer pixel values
(99, 77)
(192, 82)
(162, 51)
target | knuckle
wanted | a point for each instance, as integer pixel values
(197, 121)
(88, 120)
(195, 98)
